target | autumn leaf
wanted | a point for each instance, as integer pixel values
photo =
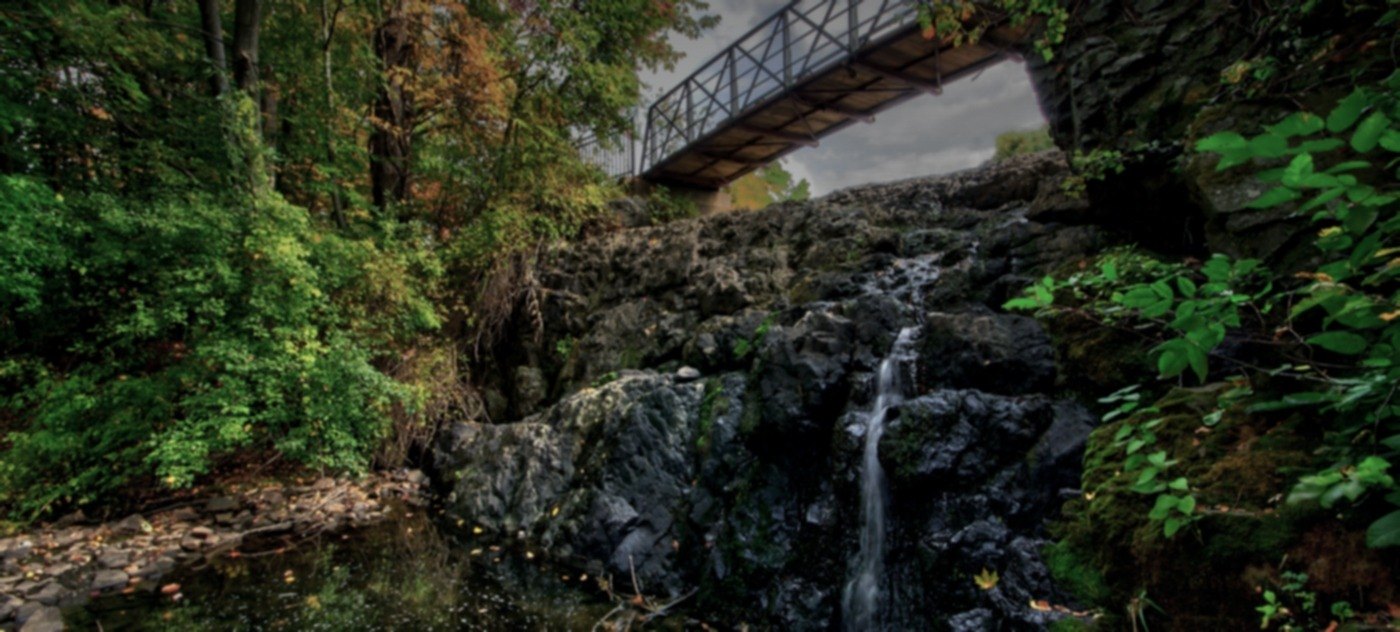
(930, 32)
(986, 580)
(1040, 604)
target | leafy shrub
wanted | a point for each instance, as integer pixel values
(151, 338)
(1336, 334)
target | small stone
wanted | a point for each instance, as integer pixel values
(44, 619)
(222, 504)
(225, 518)
(416, 477)
(50, 595)
(19, 550)
(192, 544)
(687, 374)
(56, 569)
(114, 559)
(132, 525)
(27, 610)
(324, 483)
(108, 579)
(182, 514)
(201, 532)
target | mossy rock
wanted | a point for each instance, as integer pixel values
(1206, 576)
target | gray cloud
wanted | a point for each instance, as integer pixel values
(924, 136)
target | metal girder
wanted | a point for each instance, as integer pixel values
(931, 87)
(834, 108)
(796, 139)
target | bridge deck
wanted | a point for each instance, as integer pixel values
(754, 102)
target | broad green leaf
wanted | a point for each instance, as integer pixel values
(1347, 111)
(1196, 356)
(1187, 505)
(1390, 140)
(1172, 525)
(1384, 532)
(1172, 362)
(1274, 197)
(1268, 146)
(1298, 124)
(1300, 167)
(1343, 342)
(1224, 141)
(1162, 507)
(1368, 133)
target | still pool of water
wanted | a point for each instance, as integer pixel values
(404, 574)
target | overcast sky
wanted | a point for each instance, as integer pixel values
(924, 136)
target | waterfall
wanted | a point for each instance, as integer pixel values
(860, 601)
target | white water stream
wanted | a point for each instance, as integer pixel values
(860, 601)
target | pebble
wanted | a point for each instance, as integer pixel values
(687, 374)
(108, 579)
(44, 619)
(222, 504)
(111, 555)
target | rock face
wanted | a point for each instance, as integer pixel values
(705, 427)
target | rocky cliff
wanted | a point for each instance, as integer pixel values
(696, 405)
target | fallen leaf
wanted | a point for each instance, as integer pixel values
(1040, 604)
(169, 589)
(986, 580)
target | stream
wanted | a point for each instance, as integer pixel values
(403, 574)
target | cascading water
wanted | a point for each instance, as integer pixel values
(860, 601)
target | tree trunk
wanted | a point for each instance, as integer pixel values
(390, 145)
(247, 20)
(213, 27)
(328, 21)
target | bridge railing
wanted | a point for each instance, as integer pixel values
(802, 40)
(617, 158)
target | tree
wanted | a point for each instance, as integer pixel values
(247, 23)
(769, 184)
(213, 33)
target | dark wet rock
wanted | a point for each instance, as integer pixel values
(50, 594)
(131, 525)
(997, 353)
(221, 504)
(729, 463)
(44, 619)
(108, 579)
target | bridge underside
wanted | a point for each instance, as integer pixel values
(886, 73)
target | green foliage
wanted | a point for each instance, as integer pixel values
(1339, 336)
(668, 206)
(768, 185)
(1089, 166)
(175, 332)
(953, 20)
(745, 346)
(564, 347)
(1020, 142)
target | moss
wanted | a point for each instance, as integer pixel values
(1076, 574)
(1109, 549)
(712, 405)
(1069, 624)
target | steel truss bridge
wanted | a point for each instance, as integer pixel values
(807, 71)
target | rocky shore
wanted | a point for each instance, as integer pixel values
(66, 563)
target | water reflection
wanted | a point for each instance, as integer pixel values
(401, 575)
